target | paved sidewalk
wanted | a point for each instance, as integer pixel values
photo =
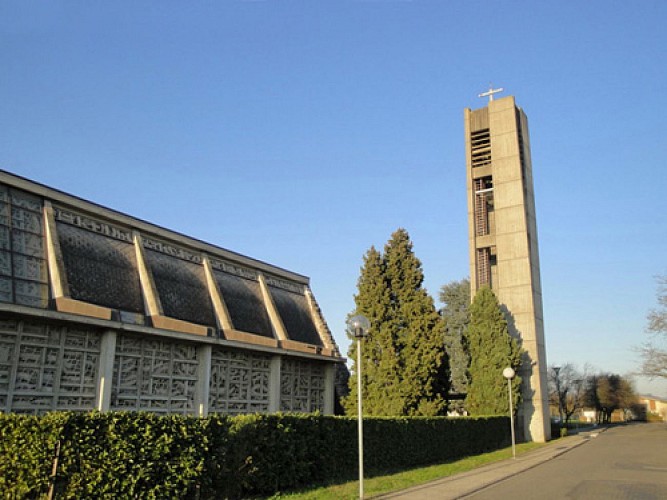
(466, 483)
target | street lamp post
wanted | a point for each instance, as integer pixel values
(577, 400)
(358, 327)
(509, 374)
(556, 370)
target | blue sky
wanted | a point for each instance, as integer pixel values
(303, 132)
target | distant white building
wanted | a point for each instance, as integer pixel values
(654, 406)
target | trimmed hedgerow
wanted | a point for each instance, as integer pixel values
(131, 455)
(123, 454)
(27, 446)
(401, 443)
(116, 454)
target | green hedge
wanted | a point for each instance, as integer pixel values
(124, 454)
(116, 454)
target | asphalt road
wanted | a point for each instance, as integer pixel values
(625, 462)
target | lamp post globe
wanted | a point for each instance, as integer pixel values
(358, 326)
(509, 373)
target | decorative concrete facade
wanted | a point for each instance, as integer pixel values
(503, 241)
(99, 310)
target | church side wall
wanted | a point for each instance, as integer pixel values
(55, 365)
(99, 310)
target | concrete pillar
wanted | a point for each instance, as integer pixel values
(105, 371)
(329, 388)
(274, 384)
(203, 379)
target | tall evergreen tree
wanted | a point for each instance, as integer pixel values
(456, 312)
(491, 350)
(404, 361)
(380, 368)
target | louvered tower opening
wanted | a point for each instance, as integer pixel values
(480, 147)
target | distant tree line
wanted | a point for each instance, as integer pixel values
(572, 390)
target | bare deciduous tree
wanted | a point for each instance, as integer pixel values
(567, 386)
(654, 352)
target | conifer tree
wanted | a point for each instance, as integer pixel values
(404, 361)
(456, 312)
(380, 369)
(491, 350)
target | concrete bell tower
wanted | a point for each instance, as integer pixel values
(503, 241)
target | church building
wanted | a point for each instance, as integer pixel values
(100, 310)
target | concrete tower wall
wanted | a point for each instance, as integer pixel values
(503, 241)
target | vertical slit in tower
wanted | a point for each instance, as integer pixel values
(522, 151)
(483, 267)
(483, 203)
(481, 210)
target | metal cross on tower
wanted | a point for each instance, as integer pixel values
(490, 92)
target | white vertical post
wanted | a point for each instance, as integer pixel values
(509, 374)
(360, 422)
(358, 326)
(509, 388)
(105, 370)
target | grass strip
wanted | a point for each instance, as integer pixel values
(398, 481)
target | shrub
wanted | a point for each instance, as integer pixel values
(654, 417)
